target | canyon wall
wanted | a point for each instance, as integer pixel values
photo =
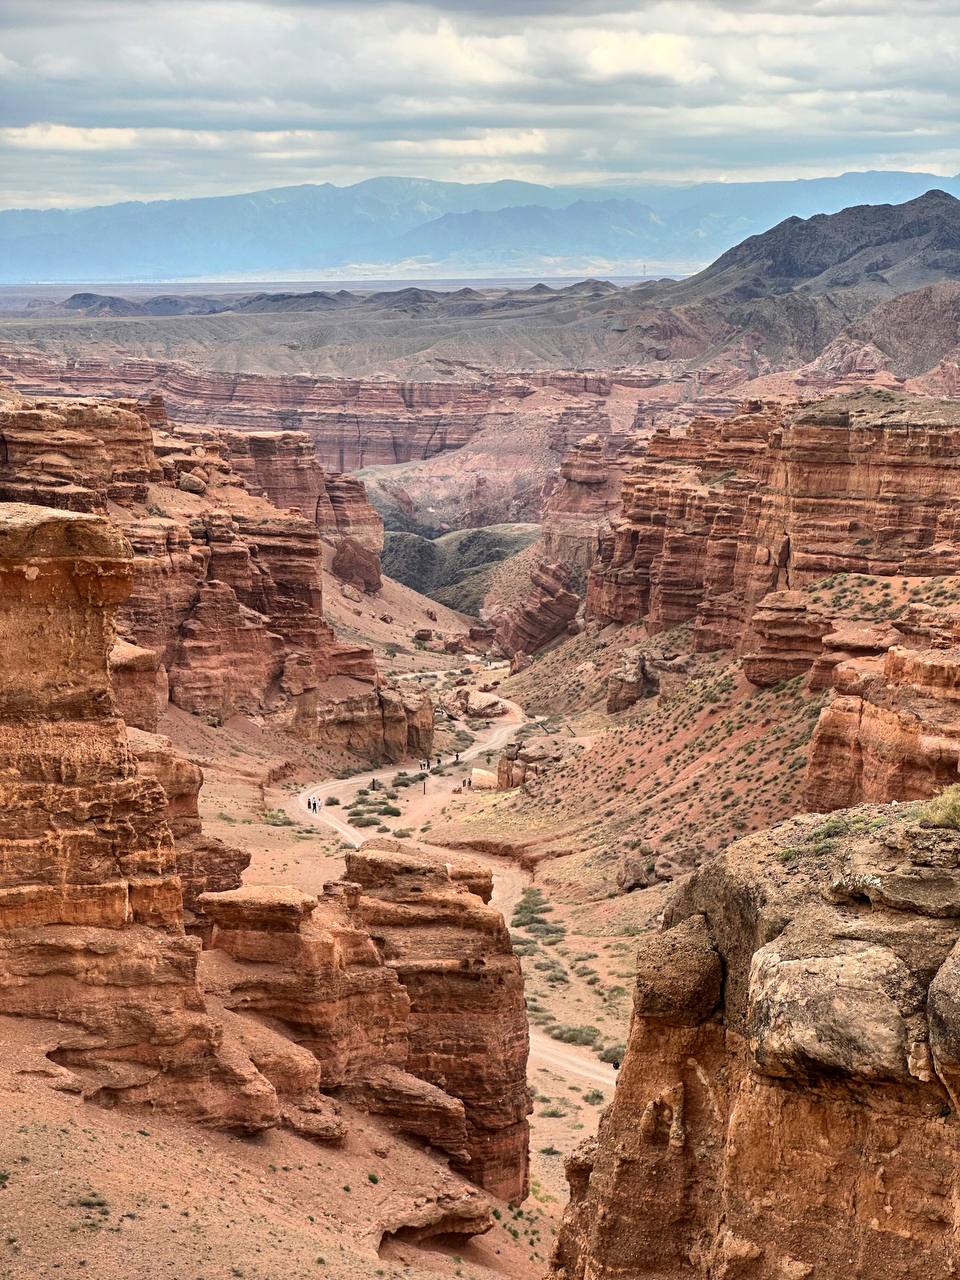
(787, 1107)
(547, 611)
(225, 615)
(91, 937)
(100, 843)
(730, 509)
(578, 512)
(353, 423)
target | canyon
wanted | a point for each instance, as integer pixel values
(641, 874)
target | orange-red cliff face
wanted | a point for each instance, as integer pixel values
(100, 845)
(548, 611)
(578, 513)
(714, 519)
(227, 589)
(91, 936)
(787, 1107)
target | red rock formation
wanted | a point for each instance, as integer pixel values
(716, 518)
(642, 673)
(90, 903)
(891, 732)
(468, 1026)
(403, 985)
(789, 630)
(787, 1107)
(203, 863)
(75, 455)
(353, 423)
(546, 613)
(140, 685)
(578, 512)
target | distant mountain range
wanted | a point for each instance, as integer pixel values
(873, 283)
(417, 227)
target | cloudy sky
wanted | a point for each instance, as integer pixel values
(106, 100)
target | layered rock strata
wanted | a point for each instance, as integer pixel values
(91, 935)
(226, 612)
(715, 518)
(468, 1025)
(402, 983)
(891, 730)
(578, 512)
(787, 1106)
(548, 611)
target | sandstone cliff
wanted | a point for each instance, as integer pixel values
(715, 518)
(547, 612)
(787, 1107)
(587, 497)
(91, 936)
(225, 615)
(295, 1016)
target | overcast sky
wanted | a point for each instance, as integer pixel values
(106, 100)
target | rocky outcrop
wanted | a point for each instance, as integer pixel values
(357, 565)
(140, 685)
(402, 983)
(578, 512)
(789, 630)
(891, 731)
(787, 1106)
(283, 467)
(642, 673)
(75, 456)
(225, 615)
(91, 936)
(468, 1025)
(546, 613)
(203, 863)
(719, 516)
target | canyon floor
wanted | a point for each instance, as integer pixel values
(85, 1189)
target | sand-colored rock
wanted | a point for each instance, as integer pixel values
(91, 934)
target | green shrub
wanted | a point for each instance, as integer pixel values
(331, 800)
(943, 810)
(277, 818)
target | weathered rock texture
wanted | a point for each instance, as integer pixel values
(717, 517)
(91, 936)
(891, 731)
(543, 615)
(296, 1000)
(226, 611)
(75, 456)
(468, 1024)
(787, 1108)
(578, 513)
(353, 423)
(402, 983)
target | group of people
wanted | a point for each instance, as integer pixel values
(313, 804)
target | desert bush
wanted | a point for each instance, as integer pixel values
(943, 810)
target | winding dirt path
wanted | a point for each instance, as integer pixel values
(571, 1062)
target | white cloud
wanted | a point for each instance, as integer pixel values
(204, 96)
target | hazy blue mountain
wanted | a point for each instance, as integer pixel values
(518, 227)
